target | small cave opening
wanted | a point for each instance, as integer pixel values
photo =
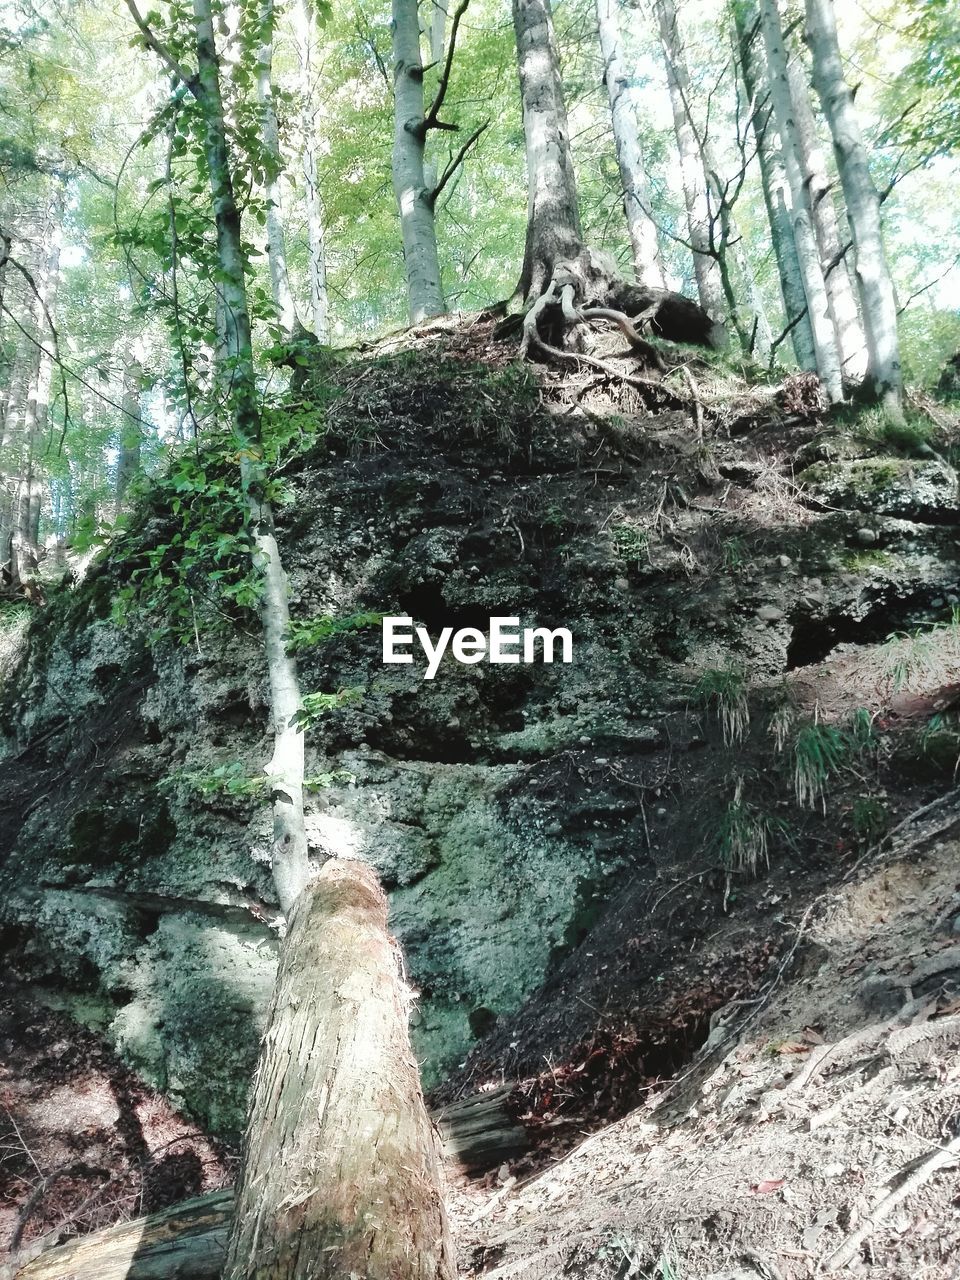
(812, 640)
(410, 740)
(427, 607)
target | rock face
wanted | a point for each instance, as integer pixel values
(503, 806)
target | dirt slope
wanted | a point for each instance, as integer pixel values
(806, 1137)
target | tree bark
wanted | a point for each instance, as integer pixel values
(808, 253)
(276, 243)
(414, 194)
(863, 209)
(305, 30)
(23, 367)
(553, 210)
(187, 1241)
(773, 177)
(290, 865)
(438, 29)
(131, 428)
(644, 240)
(342, 1172)
(702, 231)
(843, 303)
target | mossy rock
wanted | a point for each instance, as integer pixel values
(885, 485)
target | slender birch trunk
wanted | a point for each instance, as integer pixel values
(776, 193)
(305, 32)
(701, 226)
(808, 253)
(644, 240)
(553, 210)
(843, 303)
(414, 194)
(131, 428)
(863, 209)
(276, 243)
(286, 768)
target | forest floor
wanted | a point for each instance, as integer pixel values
(83, 1142)
(811, 1133)
(745, 1066)
(812, 1126)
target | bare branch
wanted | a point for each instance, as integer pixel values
(456, 162)
(929, 285)
(431, 120)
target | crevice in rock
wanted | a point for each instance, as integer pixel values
(813, 639)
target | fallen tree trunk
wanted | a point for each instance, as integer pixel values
(189, 1240)
(341, 1170)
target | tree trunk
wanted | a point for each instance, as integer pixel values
(336, 1058)
(843, 304)
(290, 867)
(273, 163)
(636, 195)
(187, 1241)
(305, 29)
(808, 253)
(27, 538)
(776, 196)
(863, 209)
(12, 446)
(131, 428)
(414, 194)
(26, 500)
(438, 29)
(342, 1173)
(553, 210)
(702, 229)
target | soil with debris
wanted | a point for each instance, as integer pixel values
(817, 1131)
(83, 1142)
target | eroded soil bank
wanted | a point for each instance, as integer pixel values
(691, 832)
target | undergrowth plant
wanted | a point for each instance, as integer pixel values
(912, 661)
(821, 751)
(232, 779)
(314, 706)
(630, 542)
(314, 631)
(744, 834)
(723, 690)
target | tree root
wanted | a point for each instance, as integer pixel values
(850, 1248)
(631, 380)
(585, 277)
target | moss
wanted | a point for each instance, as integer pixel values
(859, 559)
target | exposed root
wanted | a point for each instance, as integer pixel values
(851, 1247)
(631, 380)
(585, 290)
